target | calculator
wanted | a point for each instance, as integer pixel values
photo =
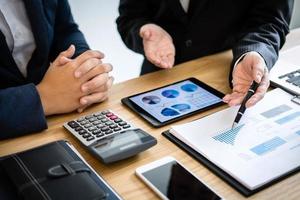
(109, 137)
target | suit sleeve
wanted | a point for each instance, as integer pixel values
(133, 15)
(66, 31)
(21, 111)
(265, 30)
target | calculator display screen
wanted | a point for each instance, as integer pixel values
(124, 140)
(175, 100)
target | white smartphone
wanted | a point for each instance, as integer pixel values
(170, 180)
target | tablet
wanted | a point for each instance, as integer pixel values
(170, 103)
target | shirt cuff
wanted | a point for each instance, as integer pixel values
(243, 55)
(239, 59)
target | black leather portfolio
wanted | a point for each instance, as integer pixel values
(218, 171)
(52, 171)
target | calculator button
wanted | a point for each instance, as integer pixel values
(84, 122)
(87, 126)
(104, 120)
(96, 122)
(113, 117)
(104, 112)
(100, 126)
(82, 132)
(86, 135)
(73, 124)
(90, 138)
(89, 117)
(101, 117)
(105, 128)
(122, 123)
(79, 128)
(80, 119)
(92, 119)
(92, 128)
(109, 123)
(108, 132)
(95, 132)
(126, 126)
(109, 114)
(118, 120)
(99, 135)
(113, 126)
(117, 129)
(97, 114)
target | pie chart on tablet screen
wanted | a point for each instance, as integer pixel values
(151, 100)
(189, 87)
(170, 93)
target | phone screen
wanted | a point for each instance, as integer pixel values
(175, 182)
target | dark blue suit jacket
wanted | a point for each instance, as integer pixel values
(54, 31)
(210, 26)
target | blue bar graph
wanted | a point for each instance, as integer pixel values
(228, 136)
(276, 111)
(288, 118)
(268, 146)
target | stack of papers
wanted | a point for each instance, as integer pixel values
(264, 146)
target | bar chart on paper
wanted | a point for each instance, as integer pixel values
(266, 140)
(228, 136)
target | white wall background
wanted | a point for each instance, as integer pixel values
(96, 18)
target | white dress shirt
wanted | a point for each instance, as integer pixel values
(185, 5)
(16, 28)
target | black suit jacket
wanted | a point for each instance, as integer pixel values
(54, 31)
(209, 26)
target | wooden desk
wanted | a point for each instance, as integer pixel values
(213, 70)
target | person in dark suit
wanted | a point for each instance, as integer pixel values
(46, 66)
(169, 32)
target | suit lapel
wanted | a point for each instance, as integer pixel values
(37, 18)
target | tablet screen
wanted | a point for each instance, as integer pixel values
(175, 100)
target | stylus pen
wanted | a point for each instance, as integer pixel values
(242, 109)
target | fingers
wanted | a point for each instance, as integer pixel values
(91, 99)
(234, 98)
(95, 71)
(88, 55)
(69, 52)
(95, 83)
(167, 61)
(171, 59)
(260, 92)
(102, 92)
(145, 34)
(100, 95)
(64, 56)
(239, 92)
(258, 72)
(86, 67)
(161, 60)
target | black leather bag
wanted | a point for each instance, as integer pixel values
(52, 171)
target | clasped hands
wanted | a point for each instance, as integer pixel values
(74, 84)
(159, 50)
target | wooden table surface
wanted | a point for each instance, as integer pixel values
(212, 70)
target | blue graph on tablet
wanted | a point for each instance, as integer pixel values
(175, 100)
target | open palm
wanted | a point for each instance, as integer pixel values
(158, 46)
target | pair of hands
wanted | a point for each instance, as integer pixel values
(159, 50)
(74, 84)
